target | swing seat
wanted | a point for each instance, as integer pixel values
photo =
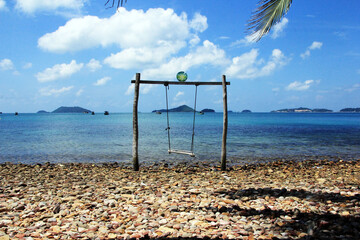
(191, 154)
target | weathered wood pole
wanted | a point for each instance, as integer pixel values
(225, 125)
(135, 148)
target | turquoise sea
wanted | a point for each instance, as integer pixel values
(63, 138)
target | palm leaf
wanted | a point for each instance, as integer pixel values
(120, 3)
(267, 14)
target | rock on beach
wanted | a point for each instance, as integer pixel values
(277, 200)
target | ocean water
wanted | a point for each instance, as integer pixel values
(63, 138)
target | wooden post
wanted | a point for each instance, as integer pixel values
(225, 125)
(136, 125)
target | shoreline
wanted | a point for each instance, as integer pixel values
(173, 163)
(276, 200)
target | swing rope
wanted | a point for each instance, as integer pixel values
(191, 153)
(193, 130)
(167, 114)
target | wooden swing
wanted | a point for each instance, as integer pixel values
(135, 147)
(191, 152)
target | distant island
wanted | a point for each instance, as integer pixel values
(42, 111)
(183, 108)
(246, 111)
(71, 110)
(303, 110)
(350, 110)
(208, 110)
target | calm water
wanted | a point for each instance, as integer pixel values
(39, 138)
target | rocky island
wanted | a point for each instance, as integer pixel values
(42, 111)
(350, 110)
(183, 108)
(303, 110)
(246, 111)
(71, 110)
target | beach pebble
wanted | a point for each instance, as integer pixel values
(276, 200)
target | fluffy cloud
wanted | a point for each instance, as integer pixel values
(248, 65)
(32, 6)
(94, 65)
(313, 46)
(102, 81)
(6, 64)
(279, 28)
(59, 71)
(208, 53)
(145, 89)
(199, 23)
(126, 29)
(246, 41)
(300, 86)
(2, 5)
(144, 57)
(316, 45)
(56, 92)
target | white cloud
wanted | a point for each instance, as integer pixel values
(195, 40)
(59, 71)
(279, 28)
(56, 92)
(32, 6)
(248, 65)
(130, 89)
(144, 57)
(199, 23)
(145, 89)
(102, 81)
(178, 95)
(305, 54)
(301, 86)
(2, 5)
(208, 53)
(313, 46)
(353, 88)
(134, 29)
(316, 45)
(246, 41)
(6, 64)
(79, 93)
(94, 65)
(27, 65)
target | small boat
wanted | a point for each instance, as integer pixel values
(106, 113)
(158, 112)
(16, 113)
(201, 113)
(92, 113)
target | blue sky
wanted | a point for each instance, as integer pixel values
(78, 53)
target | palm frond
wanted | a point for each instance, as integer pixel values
(267, 14)
(120, 3)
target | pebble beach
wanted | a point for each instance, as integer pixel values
(276, 200)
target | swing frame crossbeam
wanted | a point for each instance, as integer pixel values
(135, 148)
(166, 83)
